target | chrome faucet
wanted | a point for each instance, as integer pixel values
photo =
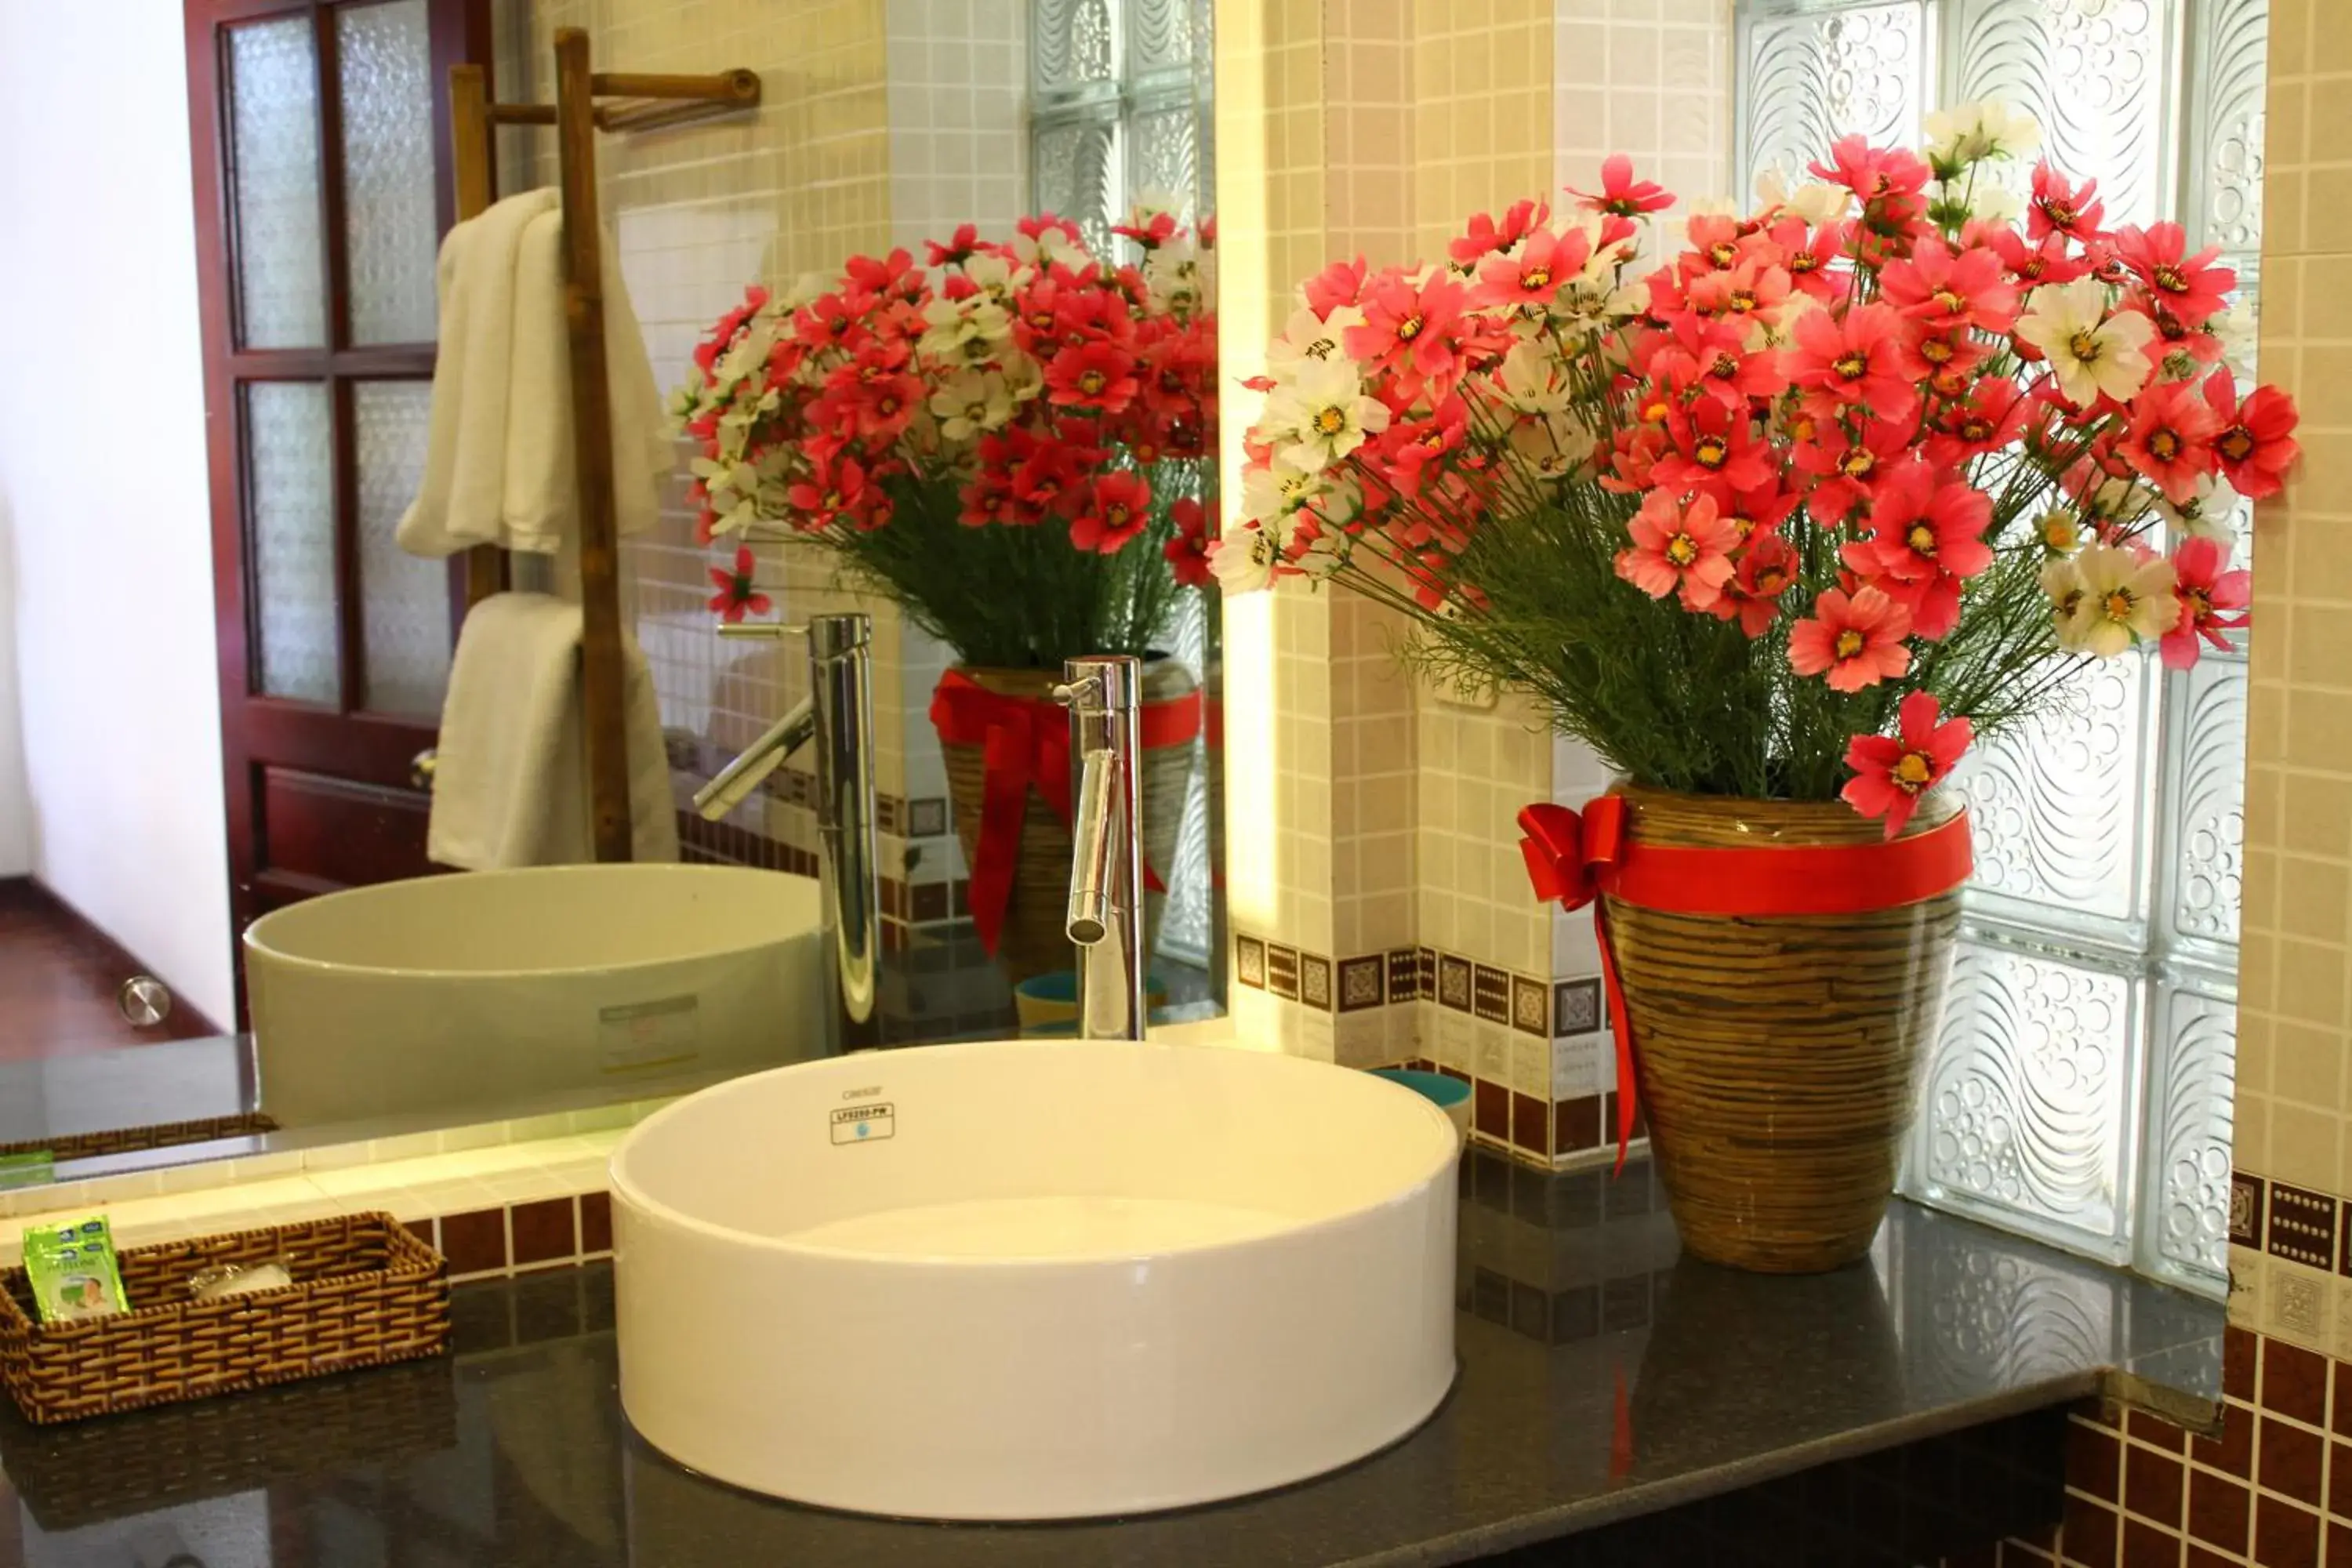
(1106, 910)
(838, 715)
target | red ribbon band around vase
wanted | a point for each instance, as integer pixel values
(1575, 857)
(1025, 740)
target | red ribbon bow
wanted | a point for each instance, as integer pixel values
(1576, 858)
(1025, 742)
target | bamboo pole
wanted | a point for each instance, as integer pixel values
(602, 671)
(470, 156)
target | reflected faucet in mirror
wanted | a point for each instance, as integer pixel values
(1105, 918)
(838, 715)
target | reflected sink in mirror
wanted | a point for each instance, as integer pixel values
(503, 988)
(1034, 1280)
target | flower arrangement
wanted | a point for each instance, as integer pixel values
(1844, 484)
(1012, 443)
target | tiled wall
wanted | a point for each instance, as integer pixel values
(1375, 127)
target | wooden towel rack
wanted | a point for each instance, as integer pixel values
(633, 102)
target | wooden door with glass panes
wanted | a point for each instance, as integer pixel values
(322, 163)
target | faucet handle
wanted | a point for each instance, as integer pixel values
(759, 631)
(1087, 692)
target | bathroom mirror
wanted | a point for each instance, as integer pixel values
(398, 1004)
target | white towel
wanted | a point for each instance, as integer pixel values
(541, 497)
(511, 787)
(466, 431)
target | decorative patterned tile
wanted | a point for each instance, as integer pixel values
(1428, 965)
(1315, 981)
(1249, 962)
(1404, 975)
(2245, 1209)
(1490, 994)
(1528, 1010)
(1360, 983)
(926, 818)
(1282, 970)
(2302, 1226)
(1575, 1007)
(1453, 982)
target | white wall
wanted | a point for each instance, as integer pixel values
(110, 780)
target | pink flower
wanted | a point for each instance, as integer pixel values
(2170, 438)
(1529, 280)
(1752, 597)
(737, 596)
(1854, 362)
(2190, 287)
(1486, 235)
(2207, 594)
(1891, 773)
(1411, 332)
(1678, 547)
(1342, 283)
(2058, 207)
(1886, 180)
(1945, 289)
(1856, 640)
(1116, 506)
(2254, 443)
(1928, 537)
(1621, 193)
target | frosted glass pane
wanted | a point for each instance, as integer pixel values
(2230, 52)
(2192, 1068)
(290, 507)
(273, 163)
(2206, 799)
(1813, 78)
(1074, 171)
(1072, 47)
(1159, 37)
(2029, 1108)
(383, 62)
(2092, 71)
(404, 600)
(1162, 152)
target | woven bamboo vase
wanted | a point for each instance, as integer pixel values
(1779, 1056)
(1035, 939)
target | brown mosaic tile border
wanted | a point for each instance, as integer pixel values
(541, 1233)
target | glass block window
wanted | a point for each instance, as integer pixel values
(2081, 1090)
(1118, 108)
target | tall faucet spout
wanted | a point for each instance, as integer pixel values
(1105, 918)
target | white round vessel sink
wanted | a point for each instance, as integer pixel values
(487, 989)
(1024, 1279)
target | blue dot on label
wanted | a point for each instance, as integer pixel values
(861, 1129)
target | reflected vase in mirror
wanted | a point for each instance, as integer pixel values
(1015, 444)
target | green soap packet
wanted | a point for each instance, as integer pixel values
(33, 1168)
(73, 1271)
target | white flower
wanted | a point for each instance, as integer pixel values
(2233, 324)
(2062, 581)
(2204, 515)
(967, 330)
(1974, 131)
(2089, 351)
(991, 273)
(1549, 448)
(1175, 276)
(1051, 246)
(971, 402)
(1995, 203)
(1533, 379)
(1245, 558)
(1308, 337)
(2125, 597)
(1322, 414)
(1816, 201)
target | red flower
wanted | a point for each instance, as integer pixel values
(737, 596)
(893, 274)
(1849, 468)
(1927, 538)
(835, 492)
(2254, 442)
(1945, 289)
(1041, 481)
(1187, 552)
(960, 247)
(1755, 515)
(1529, 280)
(2058, 207)
(1712, 442)
(722, 335)
(1621, 193)
(1891, 773)
(2170, 438)
(2046, 261)
(841, 320)
(1853, 362)
(1886, 180)
(1753, 289)
(1753, 595)
(2190, 287)
(1342, 283)
(1856, 639)
(1678, 547)
(1991, 415)
(1152, 236)
(1098, 376)
(2207, 594)
(1486, 235)
(1117, 507)
(1411, 332)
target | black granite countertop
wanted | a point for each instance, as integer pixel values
(1602, 1377)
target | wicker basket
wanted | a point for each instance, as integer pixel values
(366, 1292)
(155, 1135)
(1036, 938)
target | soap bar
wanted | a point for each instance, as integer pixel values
(229, 1280)
(72, 1270)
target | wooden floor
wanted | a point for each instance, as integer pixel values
(59, 976)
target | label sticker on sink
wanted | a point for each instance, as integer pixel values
(648, 1033)
(865, 1124)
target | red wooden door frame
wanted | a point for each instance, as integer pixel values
(318, 797)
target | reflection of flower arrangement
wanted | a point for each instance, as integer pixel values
(1792, 514)
(1012, 443)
